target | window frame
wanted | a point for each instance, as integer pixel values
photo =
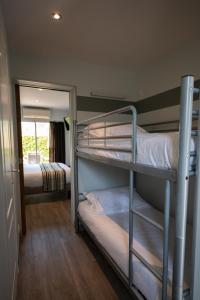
(35, 121)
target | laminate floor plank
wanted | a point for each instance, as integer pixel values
(58, 264)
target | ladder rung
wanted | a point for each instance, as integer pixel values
(192, 173)
(195, 113)
(147, 265)
(196, 90)
(155, 224)
(194, 132)
(193, 153)
(192, 168)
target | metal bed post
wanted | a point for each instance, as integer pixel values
(76, 194)
(105, 144)
(166, 239)
(187, 85)
(195, 269)
(131, 228)
(131, 200)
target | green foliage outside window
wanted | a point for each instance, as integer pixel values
(28, 143)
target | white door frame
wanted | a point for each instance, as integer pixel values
(73, 116)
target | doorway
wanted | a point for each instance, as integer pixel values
(45, 113)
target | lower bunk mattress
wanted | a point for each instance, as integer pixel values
(111, 231)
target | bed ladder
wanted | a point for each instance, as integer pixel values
(165, 228)
(162, 276)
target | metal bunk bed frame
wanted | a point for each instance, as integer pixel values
(181, 176)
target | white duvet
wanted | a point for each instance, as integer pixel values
(156, 149)
(33, 175)
(115, 200)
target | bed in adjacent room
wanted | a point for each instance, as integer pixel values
(46, 178)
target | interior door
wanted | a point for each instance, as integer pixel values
(8, 222)
(20, 159)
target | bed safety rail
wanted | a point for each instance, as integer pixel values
(162, 276)
(105, 126)
(84, 127)
(185, 170)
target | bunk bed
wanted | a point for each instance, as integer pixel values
(171, 273)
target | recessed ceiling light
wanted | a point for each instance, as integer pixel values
(40, 89)
(56, 16)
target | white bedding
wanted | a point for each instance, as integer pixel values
(156, 149)
(112, 233)
(113, 200)
(33, 175)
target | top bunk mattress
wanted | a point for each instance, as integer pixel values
(158, 150)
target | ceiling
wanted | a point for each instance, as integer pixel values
(46, 98)
(109, 32)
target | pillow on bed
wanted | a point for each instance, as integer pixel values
(99, 124)
(110, 131)
(112, 201)
(141, 130)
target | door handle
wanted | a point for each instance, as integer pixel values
(15, 171)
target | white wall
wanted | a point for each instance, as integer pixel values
(148, 80)
(166, 74)
(86, 77)
(96, 176)
(58, 115)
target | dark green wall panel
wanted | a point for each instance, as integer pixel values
(159, 101)
(99, 104)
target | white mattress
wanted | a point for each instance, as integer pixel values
(112, 233)
(113, 200)
(156, 149)
(33, 175)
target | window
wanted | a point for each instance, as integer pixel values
(35, 142)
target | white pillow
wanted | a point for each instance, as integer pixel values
(99, 124)
(141, 130)
(110, 131)
(113, 201)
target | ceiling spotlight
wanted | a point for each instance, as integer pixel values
(40, 89)
(56, 16)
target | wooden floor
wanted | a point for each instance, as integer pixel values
(58, 264)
